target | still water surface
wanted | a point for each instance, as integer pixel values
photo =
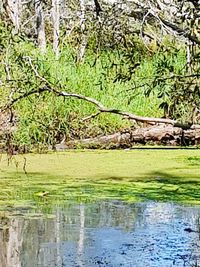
(106, 233)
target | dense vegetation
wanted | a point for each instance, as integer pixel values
(107, 60)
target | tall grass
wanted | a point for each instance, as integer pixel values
(45, 119)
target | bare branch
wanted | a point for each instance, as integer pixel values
(35, 71)
(91, 116)
(17, 99)
(7, 70)
(88, 99)
(194, 75)
(100, 106)
(114, 111)
(183, 32)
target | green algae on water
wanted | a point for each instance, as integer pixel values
(44, 180)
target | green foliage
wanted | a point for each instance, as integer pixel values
(44, 119)
(136, 77)
(165, 74)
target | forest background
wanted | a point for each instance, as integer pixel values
(63, 62)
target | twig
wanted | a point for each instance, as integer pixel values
(24, 165)
(15, 100)
(91, 116)
(180, 76)
(143, 21)
(35, 71)
(183, 32)
(7, 70)
(88, 99)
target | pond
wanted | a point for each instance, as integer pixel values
(104, 208)
(111, 233)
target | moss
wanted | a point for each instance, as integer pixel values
(137, 175)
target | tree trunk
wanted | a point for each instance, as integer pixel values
(56, 25)
(83, 36)
(63, 9)
(13, 8)
(40, 26)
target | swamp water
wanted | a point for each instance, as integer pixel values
(116, 208)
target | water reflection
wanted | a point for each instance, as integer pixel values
(102, 234)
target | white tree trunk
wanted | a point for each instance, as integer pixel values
(13, 8)
(40, 25)
(63, 9)
(1, 6)
(56, 25)
(82, 26)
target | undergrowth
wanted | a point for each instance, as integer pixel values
(44, 120)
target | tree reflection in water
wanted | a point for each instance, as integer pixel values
(101, 234)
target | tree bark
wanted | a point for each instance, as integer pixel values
(82, 27)
(56, 25)
(40, 26)
(63, 9)
(154, 135)
(13, 8)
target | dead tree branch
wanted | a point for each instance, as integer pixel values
(22, 96)
(180, 31)
(101, 108)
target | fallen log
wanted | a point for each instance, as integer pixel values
(154, 135)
